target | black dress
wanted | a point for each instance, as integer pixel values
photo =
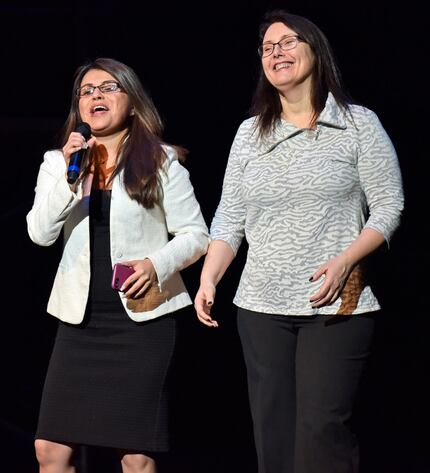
(107, 378)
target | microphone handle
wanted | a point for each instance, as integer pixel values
(74, 168)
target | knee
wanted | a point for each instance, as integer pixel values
(326, 429)
(50, 452)
(136, 462)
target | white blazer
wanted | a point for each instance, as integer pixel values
(135, 233)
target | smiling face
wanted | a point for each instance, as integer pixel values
(287, 69)
(107, 112)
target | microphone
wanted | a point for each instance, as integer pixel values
(74, 168)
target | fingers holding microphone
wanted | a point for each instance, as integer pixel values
(75, 143)
(74, 149)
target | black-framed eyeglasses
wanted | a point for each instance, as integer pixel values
(106, 87)
(287, 43)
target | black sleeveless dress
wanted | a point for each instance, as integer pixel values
(106, 383)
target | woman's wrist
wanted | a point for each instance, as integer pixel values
(207, 282)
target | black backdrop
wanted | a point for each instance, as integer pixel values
(198, 62)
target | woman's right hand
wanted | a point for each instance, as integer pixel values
(203, 303)
(76, 142)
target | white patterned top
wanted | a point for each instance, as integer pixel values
(302, 196)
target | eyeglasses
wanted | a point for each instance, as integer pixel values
(106, 87)
(290, 42)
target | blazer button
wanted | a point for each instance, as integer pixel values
(119, 254)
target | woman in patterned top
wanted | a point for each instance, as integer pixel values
(313, 182)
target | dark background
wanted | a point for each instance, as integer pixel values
(198, 62)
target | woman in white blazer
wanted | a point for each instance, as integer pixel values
(132, 203)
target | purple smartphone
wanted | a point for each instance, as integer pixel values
(120, 274)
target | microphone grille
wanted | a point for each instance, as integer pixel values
(84, 129)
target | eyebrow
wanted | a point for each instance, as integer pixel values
(283, 37)
(104, 82)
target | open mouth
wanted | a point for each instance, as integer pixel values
(99, 109)
(282, 65)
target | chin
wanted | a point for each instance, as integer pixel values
(101, 133)
(98, 129)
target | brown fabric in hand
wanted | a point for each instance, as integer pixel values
(352, 290)
(150, 300)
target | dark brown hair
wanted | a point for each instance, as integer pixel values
(140, 153)
(325, 76)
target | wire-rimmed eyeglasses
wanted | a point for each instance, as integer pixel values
(106, 87)
(287, 43)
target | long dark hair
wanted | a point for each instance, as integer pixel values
(140, 153)
(326, 76)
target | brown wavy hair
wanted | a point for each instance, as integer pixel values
(326, 76)
(140, 154)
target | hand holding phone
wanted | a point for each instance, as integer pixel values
(120, 274)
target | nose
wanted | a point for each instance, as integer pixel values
(277, 51)
(97, 93)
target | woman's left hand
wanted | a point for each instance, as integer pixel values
(141, 280)
(336, 271)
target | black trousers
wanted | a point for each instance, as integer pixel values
(303, 374)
